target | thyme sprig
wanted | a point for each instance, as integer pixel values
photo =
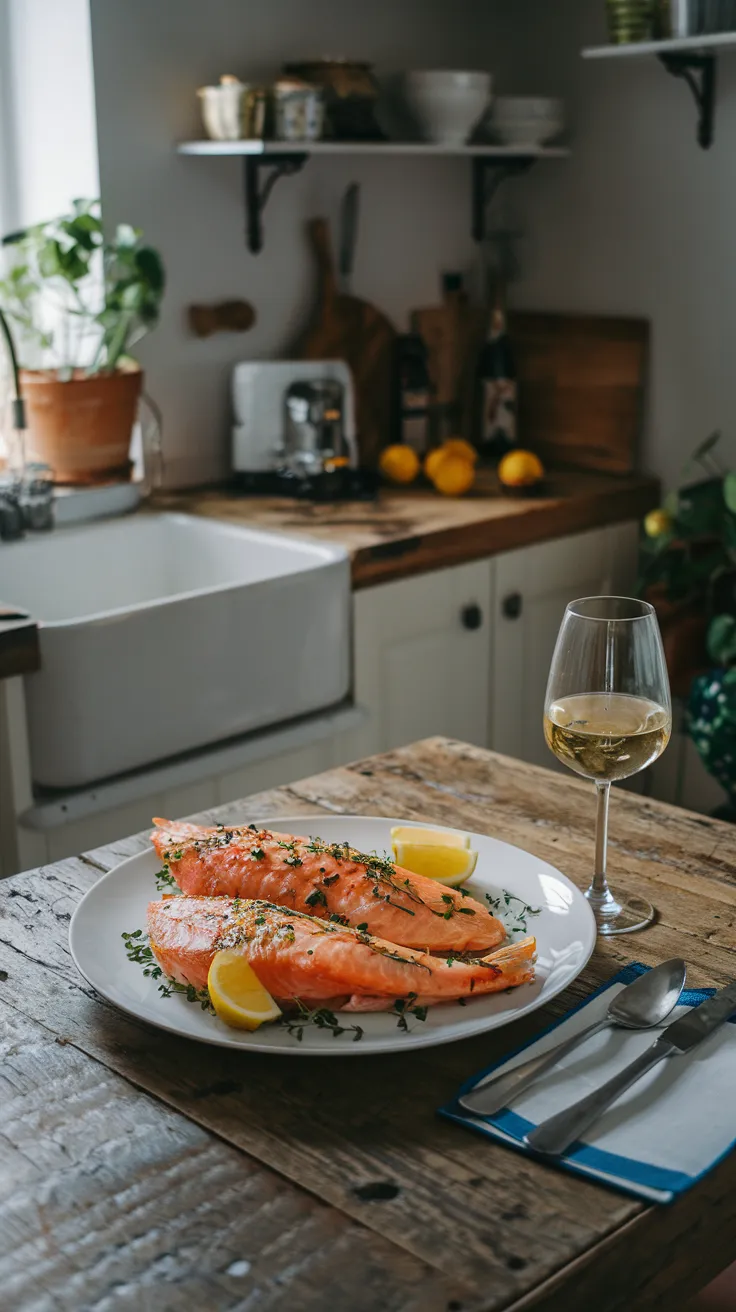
(139, 952)
(405, 1007)
(164, 879)
(321, 1017)
(502, 904)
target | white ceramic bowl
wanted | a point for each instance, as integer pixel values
(448, 103)
(524, 120)
(527, 108)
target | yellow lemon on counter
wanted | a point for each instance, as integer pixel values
(236, 993)
(520, 469)
(399, 463)
(429, 837)
(657, 523)
(457, 446)
(449, 865)
(454, 475)
(433, 461)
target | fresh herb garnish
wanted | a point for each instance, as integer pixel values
(316, 898)
(405, 1007)
(258, 853)
(165, 879)
(138, 951)
(518, 923)
(322, 1018)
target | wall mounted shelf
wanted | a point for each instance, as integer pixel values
(491, 165)
(692, 58)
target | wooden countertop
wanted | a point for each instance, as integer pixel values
(404, 532)
(410, 532)
(139, 1161)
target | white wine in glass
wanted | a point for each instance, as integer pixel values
(607, 715)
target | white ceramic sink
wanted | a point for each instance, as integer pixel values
(163, 633)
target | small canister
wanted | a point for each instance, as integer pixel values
(299, 111)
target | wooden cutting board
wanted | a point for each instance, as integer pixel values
(581, 388)
(453, 334)
(350, 329)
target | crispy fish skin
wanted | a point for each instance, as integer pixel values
(299, 957)
(329, 880)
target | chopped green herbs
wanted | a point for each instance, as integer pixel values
(316, 898)
(258, 853)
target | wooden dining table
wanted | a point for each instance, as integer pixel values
(141, 1170)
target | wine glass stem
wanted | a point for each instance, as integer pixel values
(600, 885)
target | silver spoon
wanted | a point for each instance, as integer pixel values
(641, 1005)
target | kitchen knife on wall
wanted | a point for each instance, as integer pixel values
(348, 234)
(557, 1133)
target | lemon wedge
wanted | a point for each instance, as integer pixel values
(449, 865)
(412, 834)
(236, 993)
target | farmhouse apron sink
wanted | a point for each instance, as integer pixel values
(164, 633)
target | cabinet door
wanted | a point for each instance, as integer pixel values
(532, 588)
(422, 657)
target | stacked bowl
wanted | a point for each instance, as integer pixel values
(524, 121)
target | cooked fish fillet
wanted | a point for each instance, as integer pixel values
(298, 957)
(329, 880)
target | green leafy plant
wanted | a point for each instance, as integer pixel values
(689, 548)
(689, 558)
(81, 300)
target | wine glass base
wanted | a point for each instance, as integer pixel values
(620, 913)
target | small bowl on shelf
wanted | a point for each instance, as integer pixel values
(524, 120)
(447, 103)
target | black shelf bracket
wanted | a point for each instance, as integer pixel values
(256, 196)
(699, 71)
(488, 174)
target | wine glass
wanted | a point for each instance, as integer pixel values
(607, 715)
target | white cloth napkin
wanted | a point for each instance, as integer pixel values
(669, 1129)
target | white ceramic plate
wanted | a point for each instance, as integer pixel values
(564, 929)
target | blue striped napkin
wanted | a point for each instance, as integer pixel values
(661, 1137)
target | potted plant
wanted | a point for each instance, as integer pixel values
(689, 575)
(80, 302)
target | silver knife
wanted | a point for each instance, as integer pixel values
(558, 1132)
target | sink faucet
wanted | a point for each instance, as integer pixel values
(27, 501)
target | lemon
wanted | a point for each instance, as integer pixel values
(412, 834)
(399, 463)
(454, 475)
(457, 446)
(448, 865)
(433, 461)
(657, 523)
(520, 469)
(237, 994)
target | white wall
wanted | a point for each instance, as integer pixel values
(415, 220)
(48, 146)
(639, 221)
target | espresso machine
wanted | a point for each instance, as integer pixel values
(295, 428)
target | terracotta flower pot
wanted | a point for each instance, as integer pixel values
(82, 428)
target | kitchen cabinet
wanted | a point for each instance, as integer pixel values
(465, 651)
(421, 658)
(532, 588)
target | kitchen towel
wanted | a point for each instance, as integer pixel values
(665, 1133)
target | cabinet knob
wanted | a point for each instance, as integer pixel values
(512, 605)
(471, 616)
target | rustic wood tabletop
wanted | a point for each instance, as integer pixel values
(141, 1170)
